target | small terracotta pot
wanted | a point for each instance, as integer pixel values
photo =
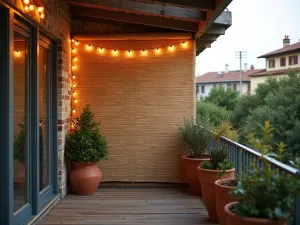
(21, 176)
(207, 179)
(191, 165)
(233, 219)
(223, 198)
(85, 178)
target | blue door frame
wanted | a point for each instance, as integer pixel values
(38, 199)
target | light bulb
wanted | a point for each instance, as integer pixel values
(77, 42)
(42, 15)
(74, 58)
(171, 48)
(73, 50)
(144, 52)
(73, 40)
(184, 44)
(157, 51)
(74, 93)
(74, 76)
(75, 100)
(101, 50)
(74, 111)
(73, 66)
(26, 2)
(31, 7)
(74, 85)
(40, 9)
(26, 8)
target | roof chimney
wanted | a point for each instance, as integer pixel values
(219, 74)
(226, 68)
(286, 41)
(252, 67)
(245, 67)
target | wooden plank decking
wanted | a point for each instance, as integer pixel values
(130, 206)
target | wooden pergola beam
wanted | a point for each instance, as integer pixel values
(144, 8)
(195, 4)
(135, 18)
(216, 29)
(133, 36)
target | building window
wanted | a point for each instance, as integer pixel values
(271, 63)
(293, 60)
(220, 85)
(197, 89)
(214, 85)
(228, 86)
(234, 87)
(202, 89)
(282, 61)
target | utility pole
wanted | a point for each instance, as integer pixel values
(240, 55)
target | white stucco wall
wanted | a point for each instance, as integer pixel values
(277, 62)
(208, 88)
(255, 81)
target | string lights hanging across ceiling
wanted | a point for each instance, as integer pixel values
(129, 52)
(114, 52)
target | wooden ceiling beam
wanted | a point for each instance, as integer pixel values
(195, 4)
(144, 8)
(216, 29)
(135, 18)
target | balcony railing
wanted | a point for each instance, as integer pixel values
(242, 157)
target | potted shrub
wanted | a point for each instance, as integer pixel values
(85, 146)
(196, 137)
(266, 197)
(219, 163)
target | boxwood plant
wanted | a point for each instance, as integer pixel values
(85, 144)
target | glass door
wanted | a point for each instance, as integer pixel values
(21, 124)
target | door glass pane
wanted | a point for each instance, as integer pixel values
(20, 144)
(44, 71)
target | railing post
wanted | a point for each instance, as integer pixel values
(238, 160)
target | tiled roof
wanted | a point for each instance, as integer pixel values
(212, 77)
(274, 72)
(290, 48)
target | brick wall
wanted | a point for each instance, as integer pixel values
(57, 23)
(140, 101)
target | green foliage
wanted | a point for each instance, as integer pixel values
(226, 129)
(216, 113)
(225, 165)
(196, 135)
(206, 165)
(19, 144)
(266, 193)
(85, 144)
(223, 98)
(278, 102)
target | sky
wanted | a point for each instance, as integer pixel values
(258, 27)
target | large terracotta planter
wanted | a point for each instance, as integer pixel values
(84, 178)
(233, 219)
(223, 198)
(207, 179)
(191, 165)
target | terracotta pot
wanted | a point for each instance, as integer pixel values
(191, 165)
(233, 219)
(207, 179)
(85, 178)
(223, 198)
(21, 176)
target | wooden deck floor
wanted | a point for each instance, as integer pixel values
(130, 206)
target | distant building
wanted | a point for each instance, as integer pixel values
(227, 79)
(278, 63)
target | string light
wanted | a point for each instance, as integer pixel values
(75, 100)
(26, 8)
(40, 9)
(74, 85)
(31, 7)
(73, 111)
(42, 15)
(73, 76)
(73, 50)
(17, 53)
(74, 58)
(77, 42)
(72, 40)
(26, 2)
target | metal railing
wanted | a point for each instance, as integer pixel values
(242, 157)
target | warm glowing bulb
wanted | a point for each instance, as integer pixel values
(17, 53)
(89, 47)
(157, 50)
(26, 8)
(171, 48)
(42, 15)
(74, 111)
(31, 7)
(73, 40)
(77, 42)
(101, 50)
(74, 76)
(26, 2)
(184, 44)
(73, 66)
(74, 85)
(73, 50)
(115, 52)
(40, 9)
(74, 58)
(75, 100)
(74, 93)
(144, 52)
